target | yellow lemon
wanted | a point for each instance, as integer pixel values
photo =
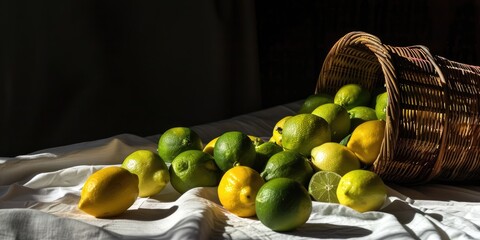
(283, 204)
(366, 140)
(303, 132)
(108, 192)
(238, 189)
(176, 140)
(278, 129)
(210, 146)
(361, 190)
(151, 170)
(334, 157)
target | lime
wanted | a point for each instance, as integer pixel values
(305, 131)
(352, 95)
(362, 190)
(237, 190)
(264, 152)
(313, 101)
(234, 148)
(323, 186)
(108, 192)
(283, 204)
(337, 117)
(151, 170)
(194, 168)
(360, 115)
(334, 157)
(176, 140)
(366, 140)
(288, 164)
(381, 106)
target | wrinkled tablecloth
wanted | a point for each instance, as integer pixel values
(39, 193)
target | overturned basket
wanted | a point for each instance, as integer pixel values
(433, 114)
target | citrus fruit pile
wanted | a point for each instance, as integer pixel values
(322, 153)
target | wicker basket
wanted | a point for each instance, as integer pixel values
(433, 114)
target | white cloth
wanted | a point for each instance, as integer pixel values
(39, 195)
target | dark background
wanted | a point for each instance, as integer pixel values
(73, 71)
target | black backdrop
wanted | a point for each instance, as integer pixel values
(75, 71)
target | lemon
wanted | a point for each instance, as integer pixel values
(238, 189)
(323, 186)
(176, 140)
(352, 95)
(362, 190)
(264, 152)
(303, 132)
(337, 118)
(288, 164)
(366, 140)
(334, 157)
(233, 148)
(313, 101)
(381, 106)
(194, 168)
(108, 192)
(360, 115)
(283, 204)
(151, 170)
(278, 129)
(210, 146)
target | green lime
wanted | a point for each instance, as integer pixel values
(233, 148)
(194, 168)
(337, 117)
(288, 164)
(305, 131)
(334, 157)
(381, 106)
(313, 101)
(323, 186)
(352, 95)
(264, 152)
(283, 204)
(360, 115)
(151, 170)
(176, 140)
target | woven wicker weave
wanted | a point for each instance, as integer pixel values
(433, 114)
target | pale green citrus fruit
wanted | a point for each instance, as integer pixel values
(303, 132)
(151, 170)
(352, 95)
(337, 117)
(334, 157)
(323, 186)
(362, 190)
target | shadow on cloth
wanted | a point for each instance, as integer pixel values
(313, 230)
